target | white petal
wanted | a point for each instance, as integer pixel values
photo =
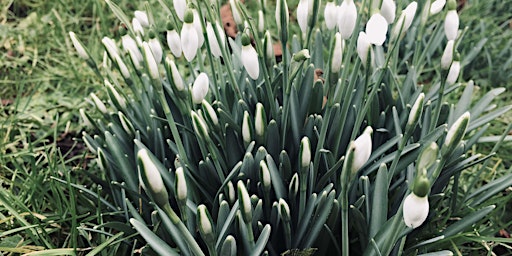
(347, 18)
(110, 46)
(388, 10)
(180, 6)
(176, 76)
(181, 184)
(78, 46)
(174, 42)
(410, 12)
(451, 24)
(151, 172)
(189, 41)
(137, 27)
(453, 74)
(200, 88)
(331, 15)
(376, 29)
(236, 14)
(337, 54)
(415, 210)
(212, 39)
(150, 60)
(363, 149)
(250, 61)
(261, 21)
(156, 49)
(199, 29)
(142, 17)
(363, 47)
(437, 6)
(302, 15)
(447, 57)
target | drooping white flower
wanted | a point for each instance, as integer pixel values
(363, 149)
(347, 18)
(415, 210)
(174, 42)
(180, 6)
(189, 39)
(142, 17)
(447, 57)
(249, 58)
(261, 21)
(156, 49)
(199, 28)
(212, 39)
(451, 24)
(302, 15)
(176, 76)
(331, 15)
(78, 46)
(405, 20)
(388, 10)
(235, 12)
(122, 67)
(453, 73)
(137, 27)
(363, 47)
(150, 61)
(376, 29)
(337, 56)
(110, 46)
(437, 6)
(130, 46)
(200, 88)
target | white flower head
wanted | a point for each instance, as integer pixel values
(205, 226)
(347, 18)
(174, 42)
(447, 57)
(249, 58)
(110, 46)
(337, 56)
(415, 210)
(305, 152)
(363, 149)
(176, 76)
(235, 12)
(437, 6)
(150, 61)
(142, 17)
(199, 28)
(130, 45)
(156, 49)
(405, 20)
(376, 29)
(181, 184)
(78, 46)
(245, 202)
(453, 73)
(363, 47)
(180, 6)
(189, 38)
(137, 27)
(200, 88)
(388, 10)
(451, 24)
(331, 15)
(154, 179)
(261, 22)
(259, 120)
(302, 15)
(212, 39)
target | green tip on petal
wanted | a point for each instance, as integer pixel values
(189, 16)
(245, 39)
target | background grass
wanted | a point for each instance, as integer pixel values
(43, 84)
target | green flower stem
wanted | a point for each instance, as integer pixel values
(312, 23)
(401, 146)
(303, 188)
(439, 103)
(287, 234)
(250, 235)
(418, 57)
(344, 221)
(193, 246)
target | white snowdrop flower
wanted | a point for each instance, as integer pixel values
(305, 152)
(245, 202)
(189, 39)
(98, 103)
(137, 27)
(130, 46)
(110, 46)
(363, 47)
(437, 6)
(78, 46)
(265, 177)
(416, 110)
(337, 56)
(200, 88)
(415, 210)
(451, 24)
(347, 18)
(154, 179)
(212, 40)
(210, 112)
(331, 15)
(453, 73)
(388, 10)
(261, 22)
(259, 120)
(447, 57)
(176, 76)
(246, 129)
(310, 6)
(181, 184)
(174, 42)
(249, 58)
(156, 49)
(363, 149)
(405, 20)
(278, 14)
(205, 226)
(456, 132)
(180, 6)
(199, 28)
(376, 29)
(122, 67)
(302, 15)
(235, 12)
(150, 61)
(142, 17)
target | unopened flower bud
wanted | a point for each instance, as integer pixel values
(265, 176)
(284, 210)
(235, 12)
(130, 46)
(447, 57)
(199, 125)
(331, 15)
(361, 149)
(174, 42)
(98, 103)
(79, 47)
(260, 120)
(200, 88)
(416, 110)
(245, 202)
(302, 15)
(347, 18)
(456, 133)
(210, 113)
(337, 54)
(388, 10)
(454, 71)
(155, 185)
(249, 58)
(181, 185)
(305, 153)
(110, 46)
(137, 27)
(428, 156)
(405, 20)
(212, 39)
(156, 47)
(150, 61)
(282, 18)
(175, 75)
(246, 129)
(261, 22)
(205, 224)
(451, 22)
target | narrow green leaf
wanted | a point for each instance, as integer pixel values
(379, 200)
(157, 244)
(467, 221)
(104, 245)
(262, 241)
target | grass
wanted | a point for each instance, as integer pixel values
(43, 84)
